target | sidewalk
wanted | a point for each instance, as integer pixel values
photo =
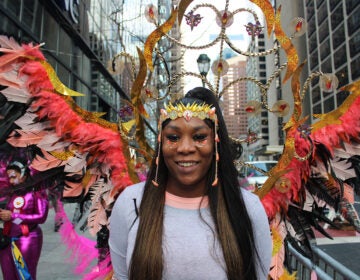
(54, 262)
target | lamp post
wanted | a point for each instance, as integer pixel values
(203, 62)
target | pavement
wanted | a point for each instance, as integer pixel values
(55, 262)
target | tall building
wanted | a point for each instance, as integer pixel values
(333, 40)
(234, 98)
(78, 41)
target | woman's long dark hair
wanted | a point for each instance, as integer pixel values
(232, 223)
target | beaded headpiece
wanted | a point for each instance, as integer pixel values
(201, 111)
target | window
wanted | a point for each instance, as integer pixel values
(355, 69)
(337, 17)
(323, 31)
(351, 5)
(340, 57)
(342, 75)
(316, 95)
(325, 49)
(354, 44)
(341, 96)
(354, 22)
(317, 109)
(314, 59)
(326, 66)
(338, 36)
(322, 13)
(329, 104)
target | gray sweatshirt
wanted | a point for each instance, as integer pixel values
(189, 248)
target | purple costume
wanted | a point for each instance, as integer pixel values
(28, 211)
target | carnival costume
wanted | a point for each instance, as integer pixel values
(28, 211)
(96, 155)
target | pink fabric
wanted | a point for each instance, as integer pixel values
(186, 202)
(33, 212)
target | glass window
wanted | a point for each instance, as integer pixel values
(322, 13)
(314, 59)
(325, 49)
(354, 21)
(343, 77)
(329, 104)
(340, 56)
(50, 33)
(8, 27)
(341, 96)
(311, 26)
(354, 44)
(317, 109)
(337, 17)
(65, 48)
(315, 95)
(312, 43)
(326, 66)
(13, 6)
(338, 36)
(355, 69)
(32, 16)
(323, 31)
(351, 5)
(334, 3)
(318, 3)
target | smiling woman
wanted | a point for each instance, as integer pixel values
(190, 219)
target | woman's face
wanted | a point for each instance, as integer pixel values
(188, 150)
(14, 177)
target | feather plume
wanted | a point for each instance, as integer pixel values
(28, 122)
(81, 249)
(97, 216)
(76, 163)
(51, 142)
(22, 138)
(46, 162)
(9, 43)
(278, 230)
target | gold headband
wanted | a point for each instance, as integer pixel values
(188, 111)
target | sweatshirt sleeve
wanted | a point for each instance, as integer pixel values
(122, 217)
(261, 228)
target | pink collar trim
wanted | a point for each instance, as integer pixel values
(186, 202)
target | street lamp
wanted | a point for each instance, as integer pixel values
(203, 62)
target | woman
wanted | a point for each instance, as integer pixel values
(24, 211)
(190, 220)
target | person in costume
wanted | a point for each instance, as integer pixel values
(190, 219)
(25, 210)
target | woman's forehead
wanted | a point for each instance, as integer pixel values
(181, 123)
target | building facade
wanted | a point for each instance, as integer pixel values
(333, 40)
(234, 99)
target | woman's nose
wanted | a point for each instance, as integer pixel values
(186, 145)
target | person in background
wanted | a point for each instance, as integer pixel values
(190, 219)
(25, 210)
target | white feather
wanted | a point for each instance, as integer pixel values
(50, 142)
(76, 163)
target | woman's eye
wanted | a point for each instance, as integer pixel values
(200, 137)
(172, 138)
